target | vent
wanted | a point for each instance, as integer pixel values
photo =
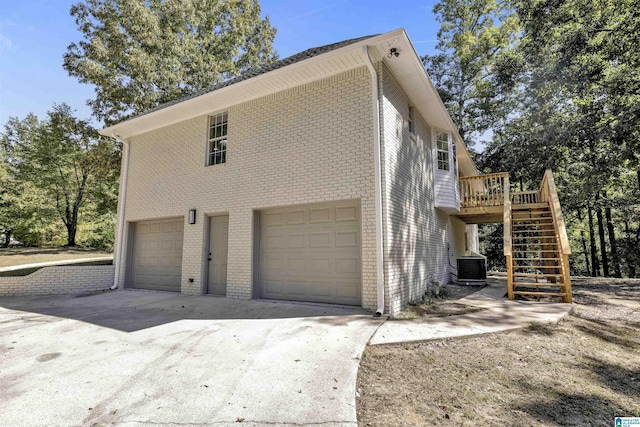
(472, 268)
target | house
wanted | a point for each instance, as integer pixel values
(330, 176)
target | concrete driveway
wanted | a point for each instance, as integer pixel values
(138, 358)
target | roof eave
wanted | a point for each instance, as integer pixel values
(140, 124)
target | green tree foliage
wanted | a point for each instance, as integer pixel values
(577, 82)
(24, 212)
(59, 167)
(139, 53)
(474, 44)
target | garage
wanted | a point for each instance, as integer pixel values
(311, 253)
(157, 254)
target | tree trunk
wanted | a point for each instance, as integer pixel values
(584, 245)
(72, 228)
(630, 261)
(603, 244)
(7, 238)
(592, 241)
(612, 242)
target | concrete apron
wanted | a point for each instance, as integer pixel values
(136, 357)
(500, 314)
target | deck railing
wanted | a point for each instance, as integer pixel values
(483, 190)
(492, 190)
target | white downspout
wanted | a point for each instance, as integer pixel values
(376, 139)
(124, 173)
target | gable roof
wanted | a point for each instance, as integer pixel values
(301, 56)
(305, 67)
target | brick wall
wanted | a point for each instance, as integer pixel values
(59, 280)
(309, 144)
(417, 233)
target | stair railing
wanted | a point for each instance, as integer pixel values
(549, 193)
(508, 253)
(525, 197)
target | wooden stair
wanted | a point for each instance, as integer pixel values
(537, 267)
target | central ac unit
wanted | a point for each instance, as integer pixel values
(472, 269)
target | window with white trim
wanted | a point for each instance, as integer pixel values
(412, 122)
(217, 152)
(442, 150)
(454, 157)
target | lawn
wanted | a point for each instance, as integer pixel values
(17, 256)
(583, 371)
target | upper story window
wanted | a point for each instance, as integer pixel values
(442, 150)
(412, 121)
(454, 157)
(217, 152)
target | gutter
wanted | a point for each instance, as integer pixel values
(124, 174)
(375, 91)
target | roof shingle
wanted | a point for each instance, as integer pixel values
(298, 57)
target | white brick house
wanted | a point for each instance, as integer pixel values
(329, 176)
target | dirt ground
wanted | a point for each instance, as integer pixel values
(18, 256)
(444, 305)
(582, 372)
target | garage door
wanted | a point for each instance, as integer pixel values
(311, 253)
(157, 254)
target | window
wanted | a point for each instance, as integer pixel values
(217, 152)
(442, 149)
(454, 157)
(412, 122)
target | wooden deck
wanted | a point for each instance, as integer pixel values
(536, 245)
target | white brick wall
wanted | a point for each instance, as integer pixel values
(417, 232)
(59, 280)
(308, 144)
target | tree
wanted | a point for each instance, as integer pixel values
(64, 158)
(474, 41)
(23, 207)
(140, 54)
(578, 91)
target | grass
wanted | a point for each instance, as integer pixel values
(27, 271)
(583, 371)
(18, 256)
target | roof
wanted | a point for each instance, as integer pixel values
(305, 67)
(301, 56)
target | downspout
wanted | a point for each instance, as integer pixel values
(124, 173)
(375, 92)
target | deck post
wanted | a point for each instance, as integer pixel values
(510, 278)
(508, 236)
(567, 279)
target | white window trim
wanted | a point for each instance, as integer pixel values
(411, 123)
(435, 151)
(209, 140)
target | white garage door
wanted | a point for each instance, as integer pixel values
(311, 253)
(157, 254)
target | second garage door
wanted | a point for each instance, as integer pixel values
(157, 254)
(311, 253)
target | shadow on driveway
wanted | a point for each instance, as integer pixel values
(134, 310)
(147, 358)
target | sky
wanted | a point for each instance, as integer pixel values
(34, 34)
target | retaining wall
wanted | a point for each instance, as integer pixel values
(59, 280)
